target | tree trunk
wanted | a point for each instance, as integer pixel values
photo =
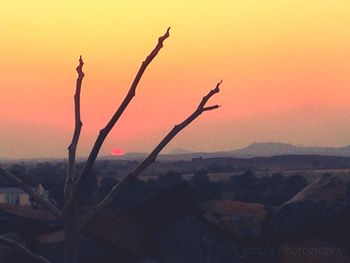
(71, 244)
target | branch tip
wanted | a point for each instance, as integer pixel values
(211, 107)
(217, 88)
(165, 36)
(81, 62)
(79, 68)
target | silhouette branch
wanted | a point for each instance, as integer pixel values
(105, 131)
(150, 159)
(72, 148)
(20, 249)
(26, 188)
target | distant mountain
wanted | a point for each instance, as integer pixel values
(266, 149)
(129, 156)
(272, 149)
(263, 149)
(180, 151)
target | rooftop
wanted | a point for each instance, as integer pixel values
(13, 190)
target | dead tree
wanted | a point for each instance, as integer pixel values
(73, 223)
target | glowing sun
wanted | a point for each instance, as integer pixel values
(117, 152)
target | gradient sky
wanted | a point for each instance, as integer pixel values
(285, 66)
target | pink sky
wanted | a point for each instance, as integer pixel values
(285, 67)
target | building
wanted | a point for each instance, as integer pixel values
(16, 196)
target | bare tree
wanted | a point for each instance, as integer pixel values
(73, 222)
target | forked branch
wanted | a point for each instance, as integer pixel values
(151, 157)
(72, 149)
(105, 131)
(20, 249)
(34, 195)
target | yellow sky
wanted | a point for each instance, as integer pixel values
(285, 66)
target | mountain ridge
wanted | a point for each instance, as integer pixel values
(257, 149)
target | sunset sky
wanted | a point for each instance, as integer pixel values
(285, 67)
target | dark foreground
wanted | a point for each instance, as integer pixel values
(185, 216)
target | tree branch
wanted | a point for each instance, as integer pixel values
(72, 148)
(19, 248)
(26, 188)
(150, 159)
(105, 131)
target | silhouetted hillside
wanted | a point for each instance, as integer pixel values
(252, 150)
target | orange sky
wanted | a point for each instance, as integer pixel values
(285, 66)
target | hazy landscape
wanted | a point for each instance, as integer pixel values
(262, 208)
(252, 150)
(175, 131)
